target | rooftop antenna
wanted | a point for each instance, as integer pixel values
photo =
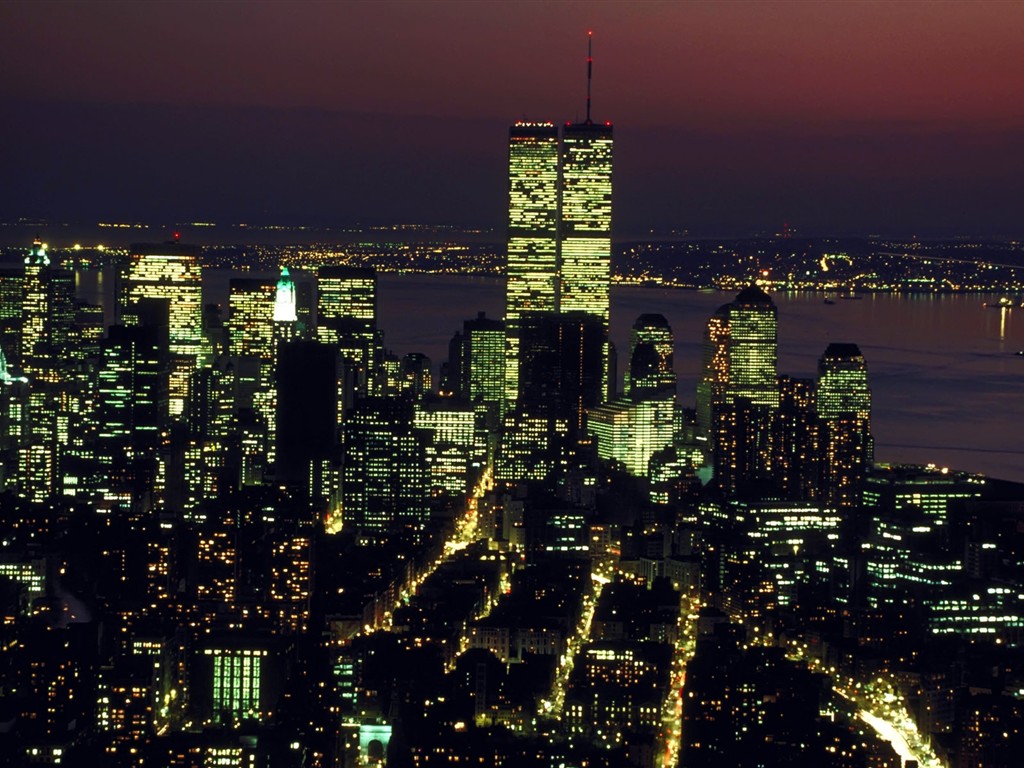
(590, 69)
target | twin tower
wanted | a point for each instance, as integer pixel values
(559, 230)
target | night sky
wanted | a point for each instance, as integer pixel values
(731, 117)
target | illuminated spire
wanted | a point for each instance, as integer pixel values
(284, 300)
(37, 255)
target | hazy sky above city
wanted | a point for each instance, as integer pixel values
(730, 117)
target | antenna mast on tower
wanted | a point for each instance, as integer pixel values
(590, 69)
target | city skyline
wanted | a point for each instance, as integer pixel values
(737, 118)
(593, 548)
(243, 523)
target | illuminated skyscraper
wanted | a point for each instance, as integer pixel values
(218, 430)
(650, 372)
(585, 226)
(47, 317)
(559, 228)
(631, 429)
(586, 211)
(586, 219)
(844, 409)
(843, 383)
(47, 313)
(753, 348)
(132, 409)
(347, 317)
(481, 373)
(284, 299)
(170, 271)
(455, 449)
(715, 367)
(585, 249)
(286, 317)
(346, 293)
(738, 392)
(384, 487)
(410, 377)
(80, 404)
(251, 329)
(13, 422)
(252, 305)
(263, 315)
(906, 513)
(11, 300)
(740, 353)
(630, 433)
(796, 462)
(532, 271)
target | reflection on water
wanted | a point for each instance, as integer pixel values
(947, 385)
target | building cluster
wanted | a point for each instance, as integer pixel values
(251, 535)
(735, 692)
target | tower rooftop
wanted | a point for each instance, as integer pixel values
(753, 294)
(842, 349)
(651, 320)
